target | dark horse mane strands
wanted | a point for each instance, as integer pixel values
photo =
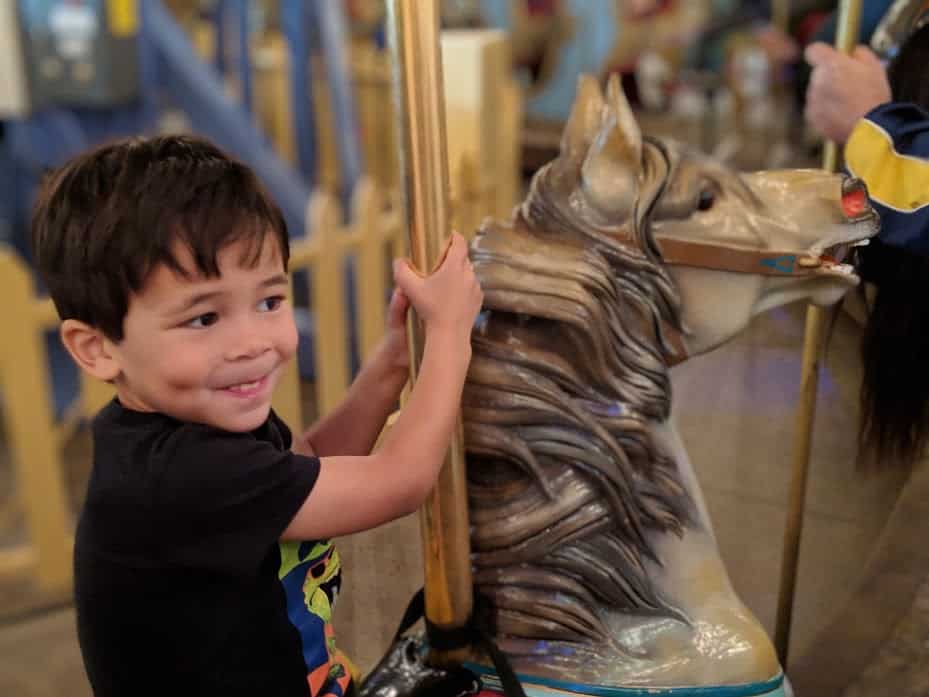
(567, 380)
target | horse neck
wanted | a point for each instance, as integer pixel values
(666, 434)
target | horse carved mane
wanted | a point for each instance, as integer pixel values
(574, 417)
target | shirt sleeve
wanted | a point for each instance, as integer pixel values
(226, 498)
(889, 151)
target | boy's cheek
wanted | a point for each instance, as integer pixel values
(290, 341)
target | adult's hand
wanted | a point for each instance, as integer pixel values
(842, 89)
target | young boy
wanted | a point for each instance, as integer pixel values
(202, 561)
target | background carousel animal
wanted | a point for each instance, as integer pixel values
(591, 542)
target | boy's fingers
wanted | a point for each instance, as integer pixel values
(450, 244)
(399, 302)
(404, 273)
(455, 248)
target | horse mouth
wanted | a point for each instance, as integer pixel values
(839, 255)
(842, 261)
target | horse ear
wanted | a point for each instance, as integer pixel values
(622, 130)
(584, 121)
(611, 168)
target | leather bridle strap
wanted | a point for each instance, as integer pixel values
(722, 257)
(765, 262)
(734, 259)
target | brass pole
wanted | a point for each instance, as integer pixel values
(780, 15)
(420, 114)
(846, 38)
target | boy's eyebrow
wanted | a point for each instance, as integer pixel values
(194, 300)
(276, 280)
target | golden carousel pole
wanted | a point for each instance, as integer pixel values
(780, 15)
(420, 113)
(846, 38)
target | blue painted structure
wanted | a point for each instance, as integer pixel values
(172, 73)
(173, 70)
(595, 29)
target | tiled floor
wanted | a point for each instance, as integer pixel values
(734, 409)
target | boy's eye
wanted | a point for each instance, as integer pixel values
(270, 304)
(204, 320)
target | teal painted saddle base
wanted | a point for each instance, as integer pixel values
(544, 687)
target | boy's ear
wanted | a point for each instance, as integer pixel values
(90, 349)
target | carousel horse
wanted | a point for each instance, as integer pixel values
(594, 557)
(557, 40)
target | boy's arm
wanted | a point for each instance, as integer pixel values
(354, 425)
(354, 493)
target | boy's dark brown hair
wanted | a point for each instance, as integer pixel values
(106, 219)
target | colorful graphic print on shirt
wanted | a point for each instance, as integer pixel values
(311, 573)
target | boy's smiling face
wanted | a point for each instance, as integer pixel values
(209, 350)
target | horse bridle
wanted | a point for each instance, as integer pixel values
(735, 259)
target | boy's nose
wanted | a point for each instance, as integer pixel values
(250, 346)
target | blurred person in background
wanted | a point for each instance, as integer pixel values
(881, 117)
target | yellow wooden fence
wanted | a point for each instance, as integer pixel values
(483, 105)
(36, 439)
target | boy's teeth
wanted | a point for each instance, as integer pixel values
(246, 385)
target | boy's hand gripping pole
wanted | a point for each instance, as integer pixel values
(420, 114)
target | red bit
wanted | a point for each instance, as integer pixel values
(854, 203)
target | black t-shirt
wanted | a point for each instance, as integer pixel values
(178, 579)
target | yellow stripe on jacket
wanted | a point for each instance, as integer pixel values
(894, 180)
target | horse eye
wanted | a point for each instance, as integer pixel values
(706, 200)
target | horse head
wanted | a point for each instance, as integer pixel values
(736, 244)
(590, 541)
